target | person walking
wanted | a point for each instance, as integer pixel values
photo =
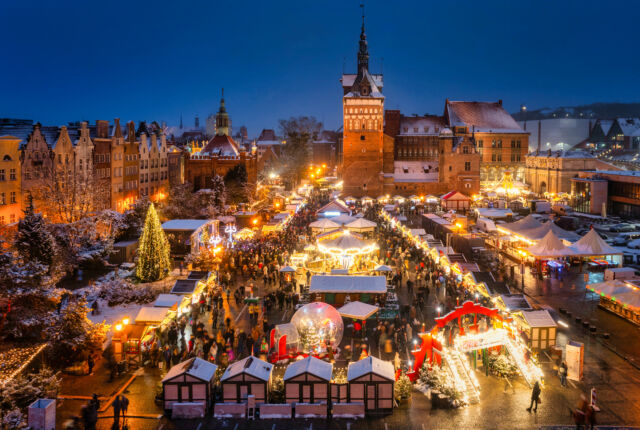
(124, 405)
(116, 412)
(90, 363)
(562, 372)
(535, 397)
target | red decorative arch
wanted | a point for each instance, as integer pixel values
(430, 348)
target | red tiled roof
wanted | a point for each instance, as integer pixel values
(221, 144)
(482, 115)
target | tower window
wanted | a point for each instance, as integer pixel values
(362, 135)
(467, 166)
(450, 168)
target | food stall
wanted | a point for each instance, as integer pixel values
(371, 382)
(249, 376)
(308, 381)
(191, 381)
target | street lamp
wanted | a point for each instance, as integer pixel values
(522, 255)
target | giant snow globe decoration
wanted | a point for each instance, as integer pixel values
(319, 327)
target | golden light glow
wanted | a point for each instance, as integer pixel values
(125, 321)
(118, 327)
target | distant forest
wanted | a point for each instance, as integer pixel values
(594, 110)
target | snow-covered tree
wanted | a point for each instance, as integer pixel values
(153, 253)
(33, 240)
(72, 335)
(18, 393)
(402, 388)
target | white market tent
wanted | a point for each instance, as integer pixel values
(550, 247)
(151, 315)
(358, 310)
(593, 245)
(311, 365)
(348, 284)
(361, 225)
(383, 268)
(527, 223)
(196, 367)
(287, 269)
(323, 225)
(540, 232)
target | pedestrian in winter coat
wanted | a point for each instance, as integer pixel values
(535, 397)
(562, 372)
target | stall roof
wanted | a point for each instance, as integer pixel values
(370, 365)
(494, 213)
(358, 310)
(334, 206)
(287, 269)
(527, 223)
(541, 318)
(311, 365)
(516, 302)
(184, 224)
(343, 219)
(361, 223)
(199, 275)
(149, 314)
(539, 232)
(167, 300)
(251, 366)
(418, 232)
(592, 244)
(325, 224)
(196, 367)
(383, 268)
(348, 284)
(184, 286)
(550, 247)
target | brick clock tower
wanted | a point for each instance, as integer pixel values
(363, 120)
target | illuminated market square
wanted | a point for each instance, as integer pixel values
(227, 216)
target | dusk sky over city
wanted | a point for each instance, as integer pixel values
(75, 60)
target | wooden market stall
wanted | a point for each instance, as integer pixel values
(371, 381)
(334, 289)
(308, 381)
(126, 341)
(622, 297)
(249, 376)
(539, 328)
(190, 381)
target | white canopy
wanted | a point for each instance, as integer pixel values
(151, 315)
(358, 310)
(361, 223)
(287, 269)
(592, 244)
(527, 223)
(383, 268)
(324, 224)
(550, 246)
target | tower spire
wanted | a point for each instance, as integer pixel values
(363, 52)
(223, 123)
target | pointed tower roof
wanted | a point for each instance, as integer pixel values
(364, 84)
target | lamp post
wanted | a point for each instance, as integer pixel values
(522, 255)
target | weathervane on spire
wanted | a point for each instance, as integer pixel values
(362, 6)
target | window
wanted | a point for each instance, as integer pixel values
(493, 143)
(2, 175)
(480, 143)
(7, 158)
(3, 199)
(499, 157)
(12, 218)
(467, 185)
(467, 166)
(13, 197)
(513, 157)
(362, 136)
(499, 143)
(513, 143)
(493, 157)
(450, 168)
(465, 149)
(518, 143)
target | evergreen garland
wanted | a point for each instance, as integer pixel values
(153, 253)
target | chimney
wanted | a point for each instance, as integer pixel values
(102, 129)
(539, 134)
(500, 102)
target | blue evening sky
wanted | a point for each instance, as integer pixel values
(137, 60)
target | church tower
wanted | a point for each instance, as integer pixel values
(223, 123)
(363, 117)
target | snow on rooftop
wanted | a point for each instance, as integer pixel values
(370, 365)
(348, 284)
(311, 365)
(151, 315)
(484, 116)
(196, 367)
(184, 224)
(251, 366)
(167, 300)
(541, 318)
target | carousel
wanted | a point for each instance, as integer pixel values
(346, 250)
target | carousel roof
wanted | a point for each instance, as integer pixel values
(358, 310)
(343, 219)
(346, 242)
(311, 365)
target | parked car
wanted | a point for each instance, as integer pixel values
(621, 227)
(620, 241)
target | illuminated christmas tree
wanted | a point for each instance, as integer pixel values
(153, 254)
